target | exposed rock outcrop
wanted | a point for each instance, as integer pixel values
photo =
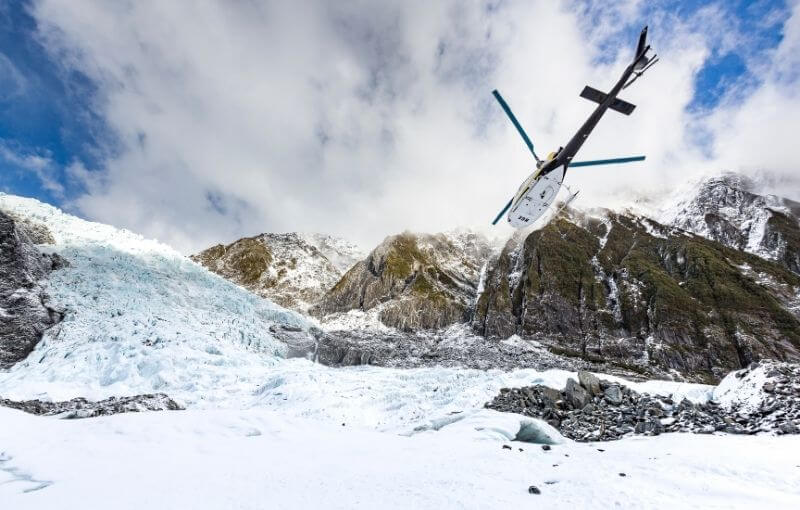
(627, 288)
(418, 281)
(82, 408)
(24, 311)
(611, 410)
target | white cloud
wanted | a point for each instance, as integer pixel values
(12, 81)
(363, 118)
(42, 166)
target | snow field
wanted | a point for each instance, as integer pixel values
(260, 459)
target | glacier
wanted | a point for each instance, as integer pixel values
(139, 317)
(264, 429)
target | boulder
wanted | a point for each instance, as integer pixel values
(550, 396)
(590, 382)
(651, 426)
(613, 395)
(576, 394)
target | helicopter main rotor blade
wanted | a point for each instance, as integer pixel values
(516, 123)
(502, 212)
(606, 161)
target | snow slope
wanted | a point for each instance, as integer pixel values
(723, 209)
(260, 459)
(340, 252)
(140, 318)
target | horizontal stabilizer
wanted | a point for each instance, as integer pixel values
(598, 97)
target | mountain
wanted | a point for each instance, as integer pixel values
(136, 316)
(413, 281)
(695, 295)
(618, 286)
(727, 208)
(708, 291)
(293, 270)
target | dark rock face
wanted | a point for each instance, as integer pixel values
(82, 408)
(619, 411)
(419, 281)
(24, 314)
(629, 289)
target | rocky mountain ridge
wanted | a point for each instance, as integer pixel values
(625, 287)
(700, 288)
(293, 270)
(415, 281)
(676, 297)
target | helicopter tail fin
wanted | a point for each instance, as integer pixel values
(641, 47)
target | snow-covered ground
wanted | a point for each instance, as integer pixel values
(262, 459)
(263, 431)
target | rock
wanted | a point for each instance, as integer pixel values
(576, 394)
(420, 282)
(590, 382)
(613, 395)
(650, 427)
(551, 396)
(25, 310)
(778, 412)
(546, 447)
(82, 408)
(769, 387)
(506, 447)
(622, 474)
(534, 490)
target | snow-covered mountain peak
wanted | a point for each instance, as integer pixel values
(292, 269)
(339, 251)
(727, 208)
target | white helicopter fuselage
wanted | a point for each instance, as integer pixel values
(536, 194)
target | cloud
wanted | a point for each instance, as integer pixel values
(12, 81)
(363, 119)
(758, 133)
(42, 166)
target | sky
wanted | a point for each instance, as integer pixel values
(202, 122)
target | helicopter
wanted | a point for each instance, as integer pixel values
(538, 192)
